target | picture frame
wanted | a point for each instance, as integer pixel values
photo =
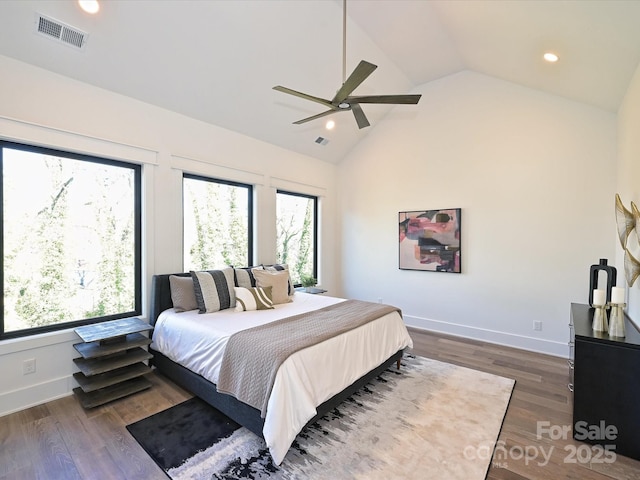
(429, 240)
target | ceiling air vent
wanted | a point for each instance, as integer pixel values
(322, 140)
(59, 31)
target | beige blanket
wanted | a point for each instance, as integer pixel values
(252, 357)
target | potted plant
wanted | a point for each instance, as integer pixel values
(308, 282)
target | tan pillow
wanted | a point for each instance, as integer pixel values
(279, 268)
(279, 281)
(183, 294)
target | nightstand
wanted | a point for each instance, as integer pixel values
(313, 290)
(112, 363)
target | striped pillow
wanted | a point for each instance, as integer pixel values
(244, 278)
(256, 298)
(214, 290)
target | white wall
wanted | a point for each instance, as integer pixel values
(42, 108)
(629, 180)
(535, 177)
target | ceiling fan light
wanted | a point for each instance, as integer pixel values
(344, 105)
(89, 6)
(551, 57)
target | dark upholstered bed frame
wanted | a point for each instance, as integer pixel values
(242, 413)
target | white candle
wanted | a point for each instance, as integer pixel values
(599, 297)
(617, 295)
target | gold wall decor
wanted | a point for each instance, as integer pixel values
(631, 268)
(636, 219)
(625, 220)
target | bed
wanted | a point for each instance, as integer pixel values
(308, 384)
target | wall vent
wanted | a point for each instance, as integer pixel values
(55, 30)
(322, 140)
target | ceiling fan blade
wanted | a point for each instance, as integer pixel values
(393, 99)
(359, 75)
(320, 115)
(361, 118)
(319, 100)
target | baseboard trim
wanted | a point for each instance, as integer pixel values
(34, 395)
(548, 347)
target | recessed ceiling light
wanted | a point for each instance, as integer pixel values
(550, 57)
(89, 6)
(330, 124)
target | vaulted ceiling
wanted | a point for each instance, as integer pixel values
(217, 60)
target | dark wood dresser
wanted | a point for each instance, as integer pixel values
(605, 376)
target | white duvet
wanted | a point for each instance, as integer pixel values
(305, 380)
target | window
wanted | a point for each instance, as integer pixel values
(218, 220)
(297, 233)
(70, 239)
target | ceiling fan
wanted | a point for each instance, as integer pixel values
(343, 100)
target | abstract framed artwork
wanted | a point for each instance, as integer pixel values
(430, 240)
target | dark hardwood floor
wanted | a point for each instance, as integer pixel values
(61, 440)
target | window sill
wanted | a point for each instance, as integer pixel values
(13, 345)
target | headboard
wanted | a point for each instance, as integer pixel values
(161, 295)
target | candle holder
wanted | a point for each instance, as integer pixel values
(616, 322)
(594, 272)
(600, 323)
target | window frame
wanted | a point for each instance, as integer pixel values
(250, 209)
(315, 199)
(137, 205)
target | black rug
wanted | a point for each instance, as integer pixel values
(178, 433)
(424, 418)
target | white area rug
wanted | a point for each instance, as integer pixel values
(429, 420)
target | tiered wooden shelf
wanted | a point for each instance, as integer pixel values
(112, 362)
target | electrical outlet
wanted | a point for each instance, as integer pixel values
(537, 325)
(29, 366)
